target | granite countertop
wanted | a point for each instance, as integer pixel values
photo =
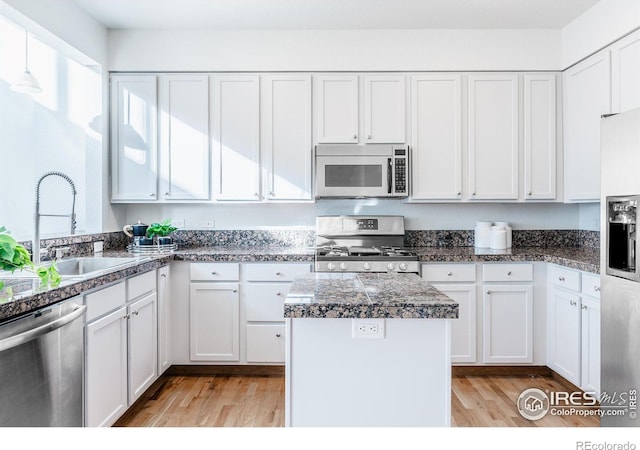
(27, 297)
(367, 295)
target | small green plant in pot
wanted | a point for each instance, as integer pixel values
(162, 230)
(14, 256)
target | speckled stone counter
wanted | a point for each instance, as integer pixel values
(256, 253)
(580, 258)
(32, 299)
(367, 295)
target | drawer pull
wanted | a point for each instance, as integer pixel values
(234, 290)
(214, 273)
(560, 278)
(278, 335)
(596, 288)
(572, 302)
(449, 274)
(278, 273)
(509, 273)
(278, 293)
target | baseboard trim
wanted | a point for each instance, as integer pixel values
(252, 370)
(496, 371)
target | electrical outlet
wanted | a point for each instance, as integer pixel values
(367, 328)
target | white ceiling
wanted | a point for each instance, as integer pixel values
(333, 14)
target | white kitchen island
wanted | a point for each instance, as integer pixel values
(367, 350)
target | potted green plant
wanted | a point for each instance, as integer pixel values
(162, 230)
(14, 256)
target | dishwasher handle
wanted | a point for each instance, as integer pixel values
(34, 333)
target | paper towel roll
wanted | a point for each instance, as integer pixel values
(508, 228)
(482, 237)
(498, 238)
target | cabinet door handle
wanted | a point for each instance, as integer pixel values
(560, 278)
(488, 292)
(163, 275)
(459, 194)
(152, 195)
(126, 316)
(135, 313)
(355, 136)
(584, 306)
(449, 274)
(278, 273)
(369, 137)
(167, 194)
(572, 302)
(278, 293)
(596, 288)
(234, 290)
(214, 273)
(278, 335)
(529, 193)
(509, 273)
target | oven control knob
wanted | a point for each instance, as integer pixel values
(366, 266)
(331, 266)
(390, 266)
(403, 266)
(343, 266)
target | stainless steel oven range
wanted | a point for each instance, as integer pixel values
(363, 244)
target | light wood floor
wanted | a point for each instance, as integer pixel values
(258, 401)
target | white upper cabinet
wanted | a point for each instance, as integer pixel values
(493, 137)
(134, 138)
(436, 148)
(586, 98)
(539, 137)
(381, 108)
(184, 137)
(286, 134)
(236, 137)
(337, 100)
(384, 109)
(625, 73)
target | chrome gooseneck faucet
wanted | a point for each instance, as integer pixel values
(72, 216)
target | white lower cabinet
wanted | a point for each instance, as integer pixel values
(265, 287)
(507, 323)
(120, 347)
(573, 326)
(164, 298)
(458, 282)
(507, 313)
(214, 310)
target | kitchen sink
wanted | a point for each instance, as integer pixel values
(81, 267)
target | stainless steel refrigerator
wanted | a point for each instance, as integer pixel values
(619, 269)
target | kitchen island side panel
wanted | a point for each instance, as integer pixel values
(334, 380)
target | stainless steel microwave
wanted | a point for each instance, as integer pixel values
(362, 171)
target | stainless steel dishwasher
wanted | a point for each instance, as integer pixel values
(41, 358)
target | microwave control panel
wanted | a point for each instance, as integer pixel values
(400, 170)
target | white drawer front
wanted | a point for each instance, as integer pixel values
(265, 302)
(275, 271)
(449, 272)
(507, 272)
(214, 271)
(265, 343)
(561, 276)
(105, 300)
(591, 284)
(141, 284)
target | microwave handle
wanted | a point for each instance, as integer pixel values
(389, 175)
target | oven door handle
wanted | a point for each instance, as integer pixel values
(389, 173)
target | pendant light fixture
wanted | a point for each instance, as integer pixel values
(26, 83)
